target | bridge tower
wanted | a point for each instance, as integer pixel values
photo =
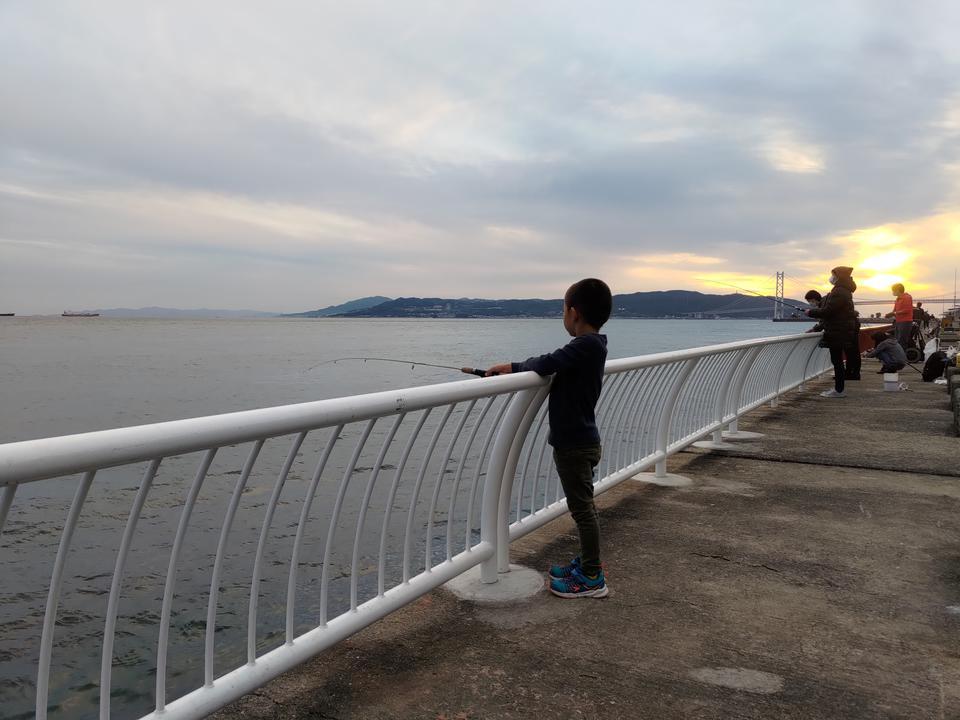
(778, 306)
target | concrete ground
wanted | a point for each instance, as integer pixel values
(812, 574)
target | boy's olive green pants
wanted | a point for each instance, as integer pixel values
(575, 467)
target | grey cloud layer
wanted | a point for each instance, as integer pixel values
(613, 131)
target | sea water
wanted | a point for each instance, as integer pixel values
(62, 376)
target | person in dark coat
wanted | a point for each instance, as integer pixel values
(839, 321)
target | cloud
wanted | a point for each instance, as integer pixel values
(915, 253)
(679, 258)
(471, 149)
(788, 155)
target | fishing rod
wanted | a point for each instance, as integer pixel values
(765, 297)
(412, 363)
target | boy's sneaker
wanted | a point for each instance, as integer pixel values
(579, 585)
(833, 394)
(559, 572)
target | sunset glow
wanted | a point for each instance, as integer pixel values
(912, 253)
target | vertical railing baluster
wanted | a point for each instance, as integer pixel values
(636, 395)
(498, 488)
(520, 482)
(662, 387)
(636, 415)
(806, 366)
(428, 549)
(494, 426)
(778, 388)
(661, 381)
(398, 474)
(6, 500)
(164, 634)
(739, 384)
(335, 517)
(606, 393)
(214, 594)
(666, 415)
(536, 475)
(706, 401)
(301, 529)
(615, 416)
(620, 380)
(262, 544)
(53, 595)
(710, 382)
(415, 496)
(113, 602)
(374, 474)
(451, 508)
(722, 399)
(528, 441)
(636, 382)
(534, 440)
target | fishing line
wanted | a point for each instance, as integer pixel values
(765, 297)
(411, 363)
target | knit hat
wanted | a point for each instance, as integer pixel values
(842, 271)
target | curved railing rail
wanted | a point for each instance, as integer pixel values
(341, 512)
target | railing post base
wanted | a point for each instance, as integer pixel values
(661, 477)
(665, 480)
(714, 445)
(742, 435)
(519, 584)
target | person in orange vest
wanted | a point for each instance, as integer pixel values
(902, 315)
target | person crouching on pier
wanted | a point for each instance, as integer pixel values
(889, 352)
(577, 368)
(839, 322)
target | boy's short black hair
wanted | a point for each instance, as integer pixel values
(812, 294)
(592, 299)
(878, 337)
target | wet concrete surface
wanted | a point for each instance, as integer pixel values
(812, 574)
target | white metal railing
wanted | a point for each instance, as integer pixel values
(376, 500)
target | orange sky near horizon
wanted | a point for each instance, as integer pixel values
(922, 254)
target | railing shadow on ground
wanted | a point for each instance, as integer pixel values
(341, 512)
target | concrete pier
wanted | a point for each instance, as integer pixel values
(814, 573)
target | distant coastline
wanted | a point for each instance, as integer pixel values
(666, 304)
(659, 305)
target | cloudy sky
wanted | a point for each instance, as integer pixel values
(290, 155)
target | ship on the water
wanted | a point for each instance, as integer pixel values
(82, 313)
(7, 314)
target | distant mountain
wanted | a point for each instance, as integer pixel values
(668, 303)
(343, 308)
(162, 312)
(460, 307)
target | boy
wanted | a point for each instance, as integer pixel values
(814, 299)
(578, 375)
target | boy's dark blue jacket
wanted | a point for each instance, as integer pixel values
(578, 369)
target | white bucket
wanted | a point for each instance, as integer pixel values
(891, 382)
